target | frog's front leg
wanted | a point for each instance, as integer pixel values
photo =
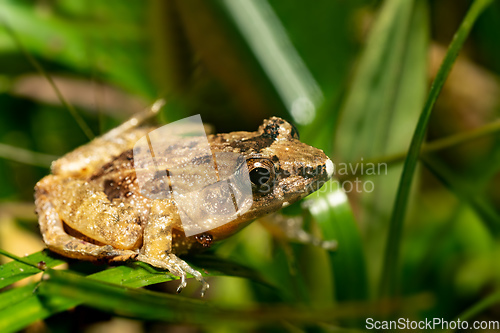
(157, 244)
(291, 228)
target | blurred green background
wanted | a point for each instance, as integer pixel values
(352, 75)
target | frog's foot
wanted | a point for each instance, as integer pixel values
(177, 267)
(291, 228)
(122, 255)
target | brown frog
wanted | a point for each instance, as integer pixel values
(91, 206)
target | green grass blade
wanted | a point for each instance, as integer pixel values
(437, 145)
(218, 266)
(255, 57)
(14, 271)
(142, 303)
(390, 75)
(387, 93)
(108, 39)
(146, 304)
(16, 295)
(333, 214)
(483, 208)
(26, 307)
(388, 285)
(478, 308)
(26, 156)
(78, 118)
(264, 34)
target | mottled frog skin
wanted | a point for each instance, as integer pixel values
(91, 207)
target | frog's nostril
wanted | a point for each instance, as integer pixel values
(329, 167)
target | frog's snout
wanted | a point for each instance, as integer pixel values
(329, 168)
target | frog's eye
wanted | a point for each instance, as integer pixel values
(261, 173)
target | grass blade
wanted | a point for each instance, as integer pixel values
(478, 308)
(268, 41)
(15, 270)
(25, 156)
(478, 202)
(81, 122)
(388, 285)
(387, 93)
(385, 79)
(157, 306)
(144, 303)
(19, 307)
(437, 145)
(333, 214)
(16, 295)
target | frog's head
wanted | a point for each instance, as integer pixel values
(281, 169)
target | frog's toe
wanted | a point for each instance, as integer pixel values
(103, 251)
(177, 267)
(204, 286)
(197, 275)
(183, 283)
(124, 255)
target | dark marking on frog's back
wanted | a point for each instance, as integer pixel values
(124, 161)
(255, 144)
(120, 188)
(205, 159)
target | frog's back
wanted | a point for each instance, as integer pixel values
(88, 159)
(117, 178)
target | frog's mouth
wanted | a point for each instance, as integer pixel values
(322, 177)
(307, 179)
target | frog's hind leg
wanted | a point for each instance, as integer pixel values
(157, 246)
(84, 160)
(57, 240)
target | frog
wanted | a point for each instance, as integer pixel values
(91, 206)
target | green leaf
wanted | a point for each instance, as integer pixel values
(332, 212)
(387, 92)
(67, 40)
(389, 278)
(125, 301)
(385, 97)
(14, 271)
(16, 295)
(63, 289)
(388, 85)
(479, 203)
(25, 307)
(478, 308)
(254, 57)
